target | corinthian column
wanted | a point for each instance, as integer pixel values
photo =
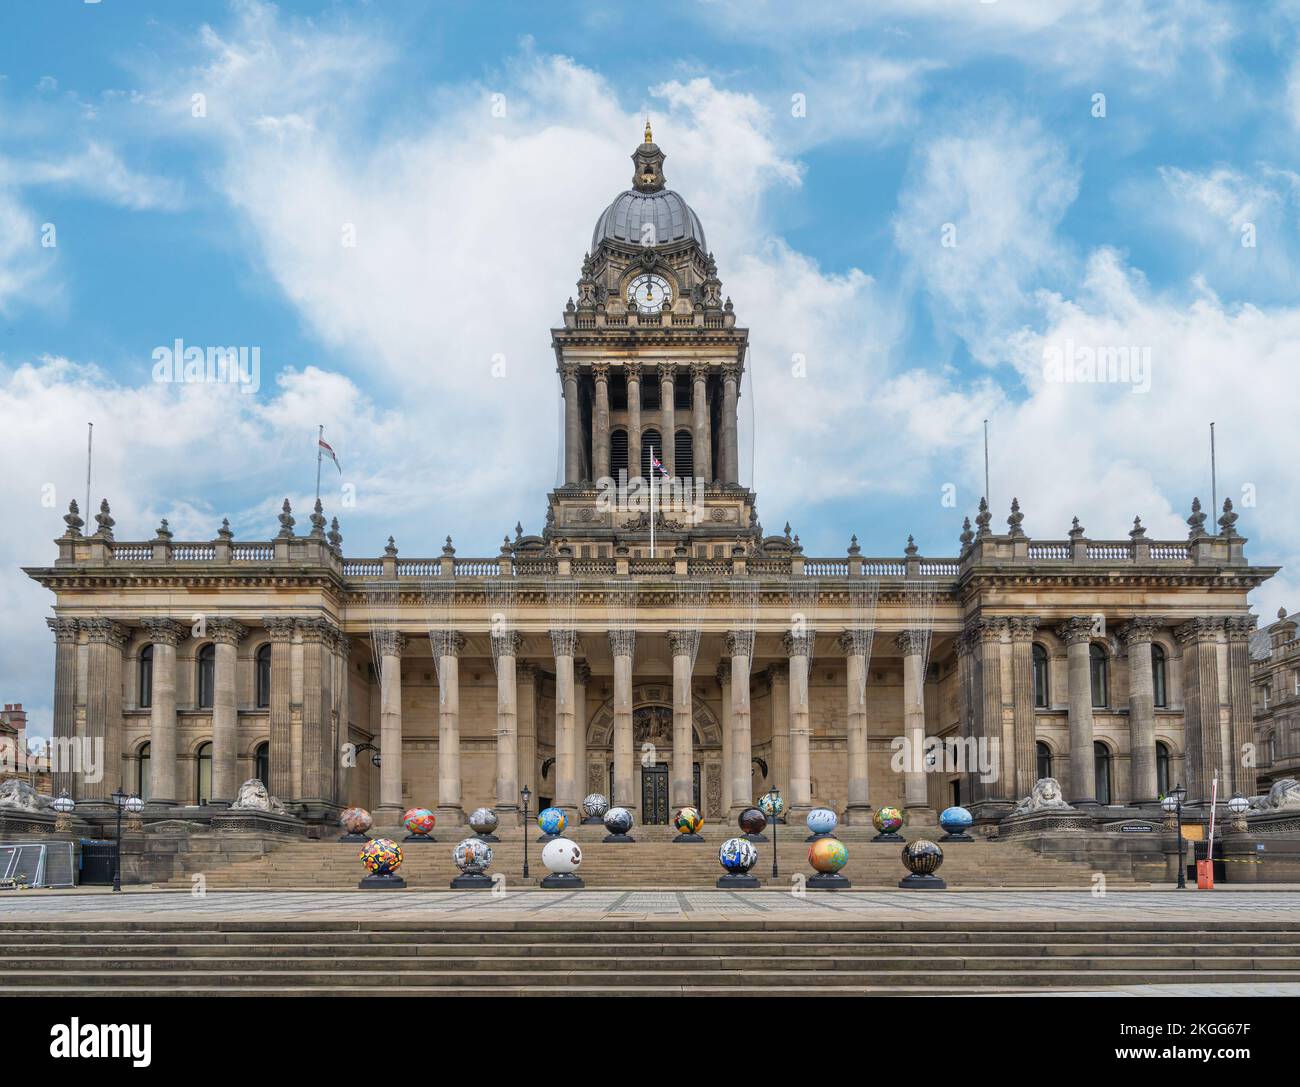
(280, 722)
(856, 644)
(1202, 727)
(701, 440)
(724, 687)
(683, 644)
(226, 635)
(916, 793)
(101, 766)
(572, 423)
(1137, 637)
(600, 421)
(166, 635)
(564, 643)
(730, 400)
(632, 369)
(450, 812)
(581, 677)
(798, 648)
(1077, 635)
(1024, 727)
(621, 645)
(740, 648)
(505, 648)
(1242, 725)
(667, 424)
(390, 644)
(65, 695)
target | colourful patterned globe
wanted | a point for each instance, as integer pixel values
(562, 855)
(887, 820)
(483, 821)
(594, 806)
(382, 856)
(955, 820)
(688, 821)
(618, 820)
(922, 857)
(828, 855)
(771, 804)
(355, 820)
(737, 855)
(552, 821)
(418, 821)
(822, 820)
(472, 856)
(752, 821)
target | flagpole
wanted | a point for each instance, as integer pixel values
(1214, 478)
(987, 497)
(90, 443)
(652, 501)
(320, 437)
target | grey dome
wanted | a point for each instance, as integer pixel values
(673, 219)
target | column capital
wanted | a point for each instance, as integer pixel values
(564, 643)
(1138, 630)
(447, 643)
(797, 645)
(105, 630)
(990, 628)
(507, 644)
(581, 673)
(1203, 629)
(632, 369)
(1240, 627)
(622, 642)
(739, 643)
(280, 627)
(667, 370)
(65, 630)
(600, 371)
(1023, 628)
(856, 641)
(165, 631)
(700, 370)
(683, 643)
(390, 643)
(568, 370)
(226, 631)
(730, 371)
(909, 642)
(316, 629)
(1076, 630)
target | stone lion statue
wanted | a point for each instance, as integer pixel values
(19, 795)
(1045, 796)
(254, 796)
(1284, 796)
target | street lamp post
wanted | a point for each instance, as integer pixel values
(1174, 803)
(123, 802)
(777, 805)
(527, 794)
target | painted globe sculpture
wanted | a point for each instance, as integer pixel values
(737, 856)
(922, 857)
(956, 820)
(472, 856)
(827, 855)
(551, 821)
(752, 821)
(594, 806)
(618, 820)
(822, 820)
(887, 820)
(688, 821)
(418, 821)
(355, 820)
(771, 804)
(382, 856)
(562, 856)
(483, 821)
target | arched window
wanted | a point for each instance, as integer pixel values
(1159, 672)
(684, 454)
(203, 774)
(1162, 768)
(1097, 661)
(617, 452)
(1044, 760)
(1041, 692)
(262, 663)
(146, 677)
(262, 763)
(650, 440)
(1101, 762)
(207, 669)
(142, 777)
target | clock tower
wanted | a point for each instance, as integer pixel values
(650, 360)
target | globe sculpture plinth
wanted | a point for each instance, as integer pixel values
(562, 857)
(472, 857)
(382, 858)
(821, 823)
(752, 823)
(484, 822)
(356, 824)
(594, 807)
(827, 856)
(737, 856)
(922, 858)
(956, 823)
(688, 822)
(419, 825)
(552, 822)
(618, 821)
(887, 822)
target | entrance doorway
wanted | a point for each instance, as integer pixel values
(655, 806)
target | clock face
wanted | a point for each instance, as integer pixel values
(648, 293)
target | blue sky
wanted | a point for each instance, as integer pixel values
(222, 225)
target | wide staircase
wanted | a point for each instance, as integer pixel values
(632, 957)
(653, 861)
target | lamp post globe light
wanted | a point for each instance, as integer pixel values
(1238, 805)
(527, 795)
(127, 802)
(63, 806)
(1174, 803)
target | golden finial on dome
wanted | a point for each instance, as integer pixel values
(648, 138)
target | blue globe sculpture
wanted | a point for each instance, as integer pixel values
(737, 856)
(956, 822)
(822, 821)
(551, 820)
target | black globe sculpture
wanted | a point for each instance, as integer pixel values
(753, 822)
(922, 858)
(618, 821)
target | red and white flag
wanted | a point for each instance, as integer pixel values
(328, 450)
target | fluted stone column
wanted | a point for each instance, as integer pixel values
(916, 793)
(572, 424)
(581, 677)
(226, 635)
(600, 421)
(1242, 724)
(1024, 727)
(1137, 636)
(683, 644)
(622, 643)
(390, 644)
(1202, 727)
(1077, 635)
(632, 369)
(166, 635)
(730, 400)
(667, 419)
(855, 644)
(505, 648)
(564, 643)
(103, 712)
(317, 746)
(280, 722)
(701, 439)
(777, 677)
(724, 686)
(65, 695)
(988, 648)
(740, 648)
(798, 648)
(450, 810)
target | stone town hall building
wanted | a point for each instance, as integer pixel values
(721, 663)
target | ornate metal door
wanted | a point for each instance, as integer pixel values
(654, 793)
